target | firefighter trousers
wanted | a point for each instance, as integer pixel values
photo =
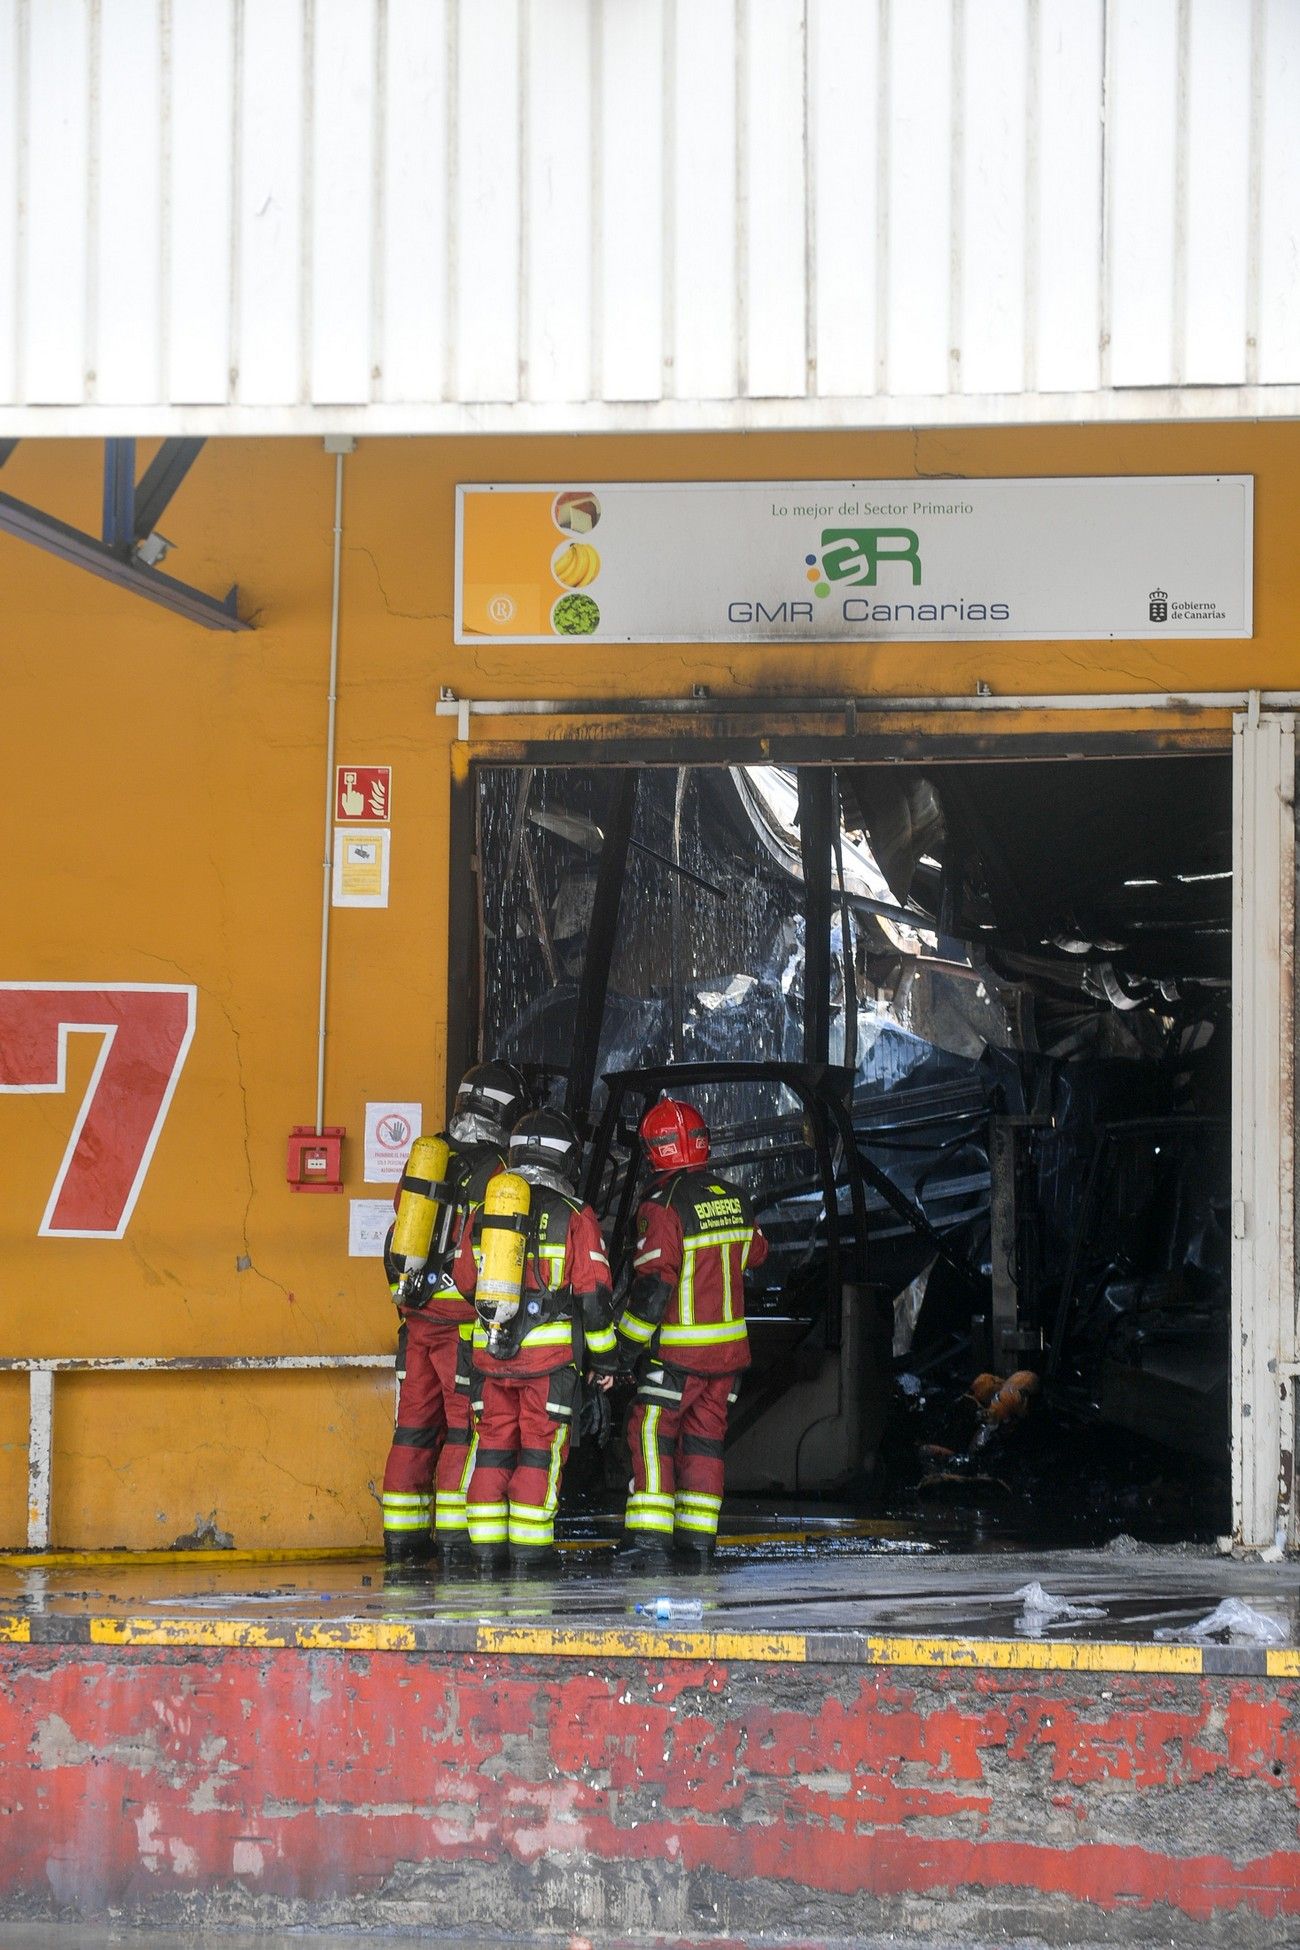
(429, 1462)
(675, 1433)
(519, 1454)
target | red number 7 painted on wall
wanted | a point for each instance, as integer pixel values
(147, 1029)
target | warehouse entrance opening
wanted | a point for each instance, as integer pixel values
(962, 1029)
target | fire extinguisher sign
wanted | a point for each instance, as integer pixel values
(363, 793)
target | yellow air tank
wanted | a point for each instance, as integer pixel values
(419, 1210)
(501, 1270)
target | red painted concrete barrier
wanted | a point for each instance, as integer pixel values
(522, 1793)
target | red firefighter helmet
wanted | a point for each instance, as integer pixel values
(675, 1136)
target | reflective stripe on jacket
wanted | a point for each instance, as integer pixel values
(696, 1235)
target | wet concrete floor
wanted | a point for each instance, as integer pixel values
(791, 1576)
(81, 1936)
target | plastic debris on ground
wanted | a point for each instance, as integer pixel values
(667, 1611)
(1039, 1610)
(1233, 1622)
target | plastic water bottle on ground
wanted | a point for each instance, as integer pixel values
(673, 1611)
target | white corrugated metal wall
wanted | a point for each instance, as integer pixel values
(258, 214)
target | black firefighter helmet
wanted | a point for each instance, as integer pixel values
(545, 1140)
(491, 1099)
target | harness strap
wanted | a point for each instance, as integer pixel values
(438, 1188)
(504, 1222)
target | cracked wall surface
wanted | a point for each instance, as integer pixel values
(714, 1799)
(169, 787)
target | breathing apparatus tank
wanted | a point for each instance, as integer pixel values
(422, 1210)
(501, 1267)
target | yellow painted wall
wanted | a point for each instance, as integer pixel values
(163, 788)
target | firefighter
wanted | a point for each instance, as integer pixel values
(531, 1343)
(683, 1333)
(428, 1463)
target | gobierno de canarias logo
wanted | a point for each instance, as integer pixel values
(575, 563)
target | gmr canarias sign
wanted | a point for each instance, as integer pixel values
(823, 561)
(145, 1030)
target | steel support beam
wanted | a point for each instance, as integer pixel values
(1264, 1328)
(816, 803)
(159, 482)
(83, 551)
(600, 945)
(119, 495)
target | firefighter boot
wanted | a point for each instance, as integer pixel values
(533, 1560)
(641, 1550)
(455, 1554)
(407, 1547)
(490, 1560)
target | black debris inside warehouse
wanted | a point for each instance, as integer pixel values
(963, 1031)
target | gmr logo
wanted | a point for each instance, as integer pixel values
(856, 555)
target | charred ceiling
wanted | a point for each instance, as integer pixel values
(1109, 877)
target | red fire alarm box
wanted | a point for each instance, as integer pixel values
(316, 1158)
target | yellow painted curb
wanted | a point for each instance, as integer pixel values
(1035, 1655)
(762, 1648)
(377, 1637)
(654, 1642)
(248, 1634)
(226, 1634)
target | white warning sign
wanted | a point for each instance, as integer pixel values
(391, 1130)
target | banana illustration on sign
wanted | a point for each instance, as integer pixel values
(577, 565)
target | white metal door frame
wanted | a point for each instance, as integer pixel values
(1263, 1360)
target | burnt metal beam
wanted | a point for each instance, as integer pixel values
(540, 920)
(1013, 910)
(1004, 1229)
(600, 945)
(159, 482)
(816, 801)
(847, 968)
(83, 551)
(464, 976)
(912, 1215)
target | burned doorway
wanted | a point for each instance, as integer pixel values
(1019, 975)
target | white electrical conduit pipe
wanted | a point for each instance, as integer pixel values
(327, 887)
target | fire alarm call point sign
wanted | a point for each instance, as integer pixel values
(363, 792)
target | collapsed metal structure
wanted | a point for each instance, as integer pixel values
(994, 997)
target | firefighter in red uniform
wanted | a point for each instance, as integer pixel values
(431, 1442)
(684, 1330)
(527, 1372)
